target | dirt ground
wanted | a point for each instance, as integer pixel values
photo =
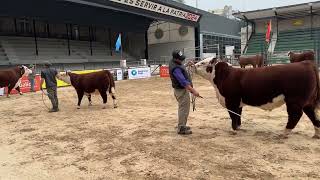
(138, 140)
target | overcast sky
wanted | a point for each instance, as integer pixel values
(243, 5)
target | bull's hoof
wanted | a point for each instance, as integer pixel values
(316, 137)
(104, 107)
(115, 106)
(90, 104)
(78, 107)
(20, 93)
(238, 128)
(8, 96)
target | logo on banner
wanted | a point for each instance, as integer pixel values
(134, 72)
(138, 73)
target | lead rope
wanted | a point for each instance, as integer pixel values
(42, 95)
(246, 118)
(193, 98)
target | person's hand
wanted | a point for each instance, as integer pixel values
(195, 93)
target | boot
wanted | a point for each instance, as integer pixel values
(184, 130)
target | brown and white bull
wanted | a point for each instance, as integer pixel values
(86, 84)
(298, 57)
(11, 77)
(296, 85)
(255, 61)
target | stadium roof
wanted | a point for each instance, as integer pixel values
(284, 12)
(155, 9)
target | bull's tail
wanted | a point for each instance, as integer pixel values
(317, 101)
(316, 70)
(317, 105)
(112, 89)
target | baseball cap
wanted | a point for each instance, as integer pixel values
(177, 54)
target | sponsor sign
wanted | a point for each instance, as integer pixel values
(164, 71)
(119, 75)
(138, 73)
(1, 91)
(25, 85)
(159, 8)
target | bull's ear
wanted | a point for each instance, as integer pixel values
(214, 61)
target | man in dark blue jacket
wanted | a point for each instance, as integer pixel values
(49, 75)
(182, 85)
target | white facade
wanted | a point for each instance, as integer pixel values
(170, 37)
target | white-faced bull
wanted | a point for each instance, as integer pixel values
(296, 85)
(11, 77)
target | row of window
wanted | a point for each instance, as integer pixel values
(220, 38)
(211, 40)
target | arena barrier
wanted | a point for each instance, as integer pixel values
(133, 73)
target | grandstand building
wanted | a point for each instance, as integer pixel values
(81, 34)
(294, 28)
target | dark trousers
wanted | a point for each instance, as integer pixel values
(52, 94)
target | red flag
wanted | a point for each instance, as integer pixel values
(268, 32)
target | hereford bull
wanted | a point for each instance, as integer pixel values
(296, 85)
(255, 61)
(298, 57)
(86, 84)
(11, 77)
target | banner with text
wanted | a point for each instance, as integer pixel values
(159, 8)
(25, 85)
(138, 73)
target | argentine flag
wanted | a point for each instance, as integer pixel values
(118, 43)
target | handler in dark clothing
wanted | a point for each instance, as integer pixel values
(49, 76)
(182, 85)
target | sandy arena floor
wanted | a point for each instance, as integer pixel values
(138, 140)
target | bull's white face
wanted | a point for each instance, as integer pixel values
(27, 71)
(201, 68)
(64, 77)
(206, 69)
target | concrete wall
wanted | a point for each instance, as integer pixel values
(170, 41)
